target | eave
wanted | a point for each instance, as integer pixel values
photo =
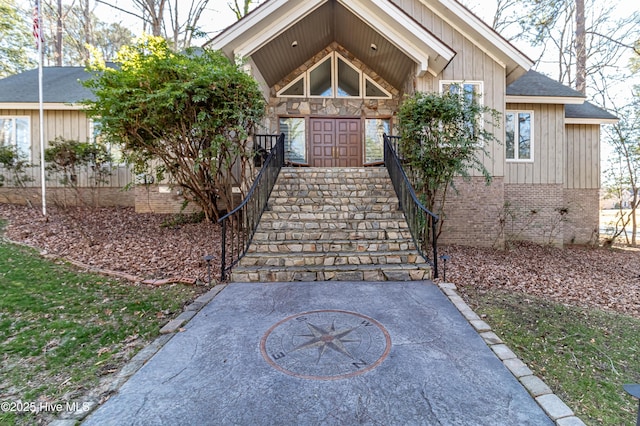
(48, 106)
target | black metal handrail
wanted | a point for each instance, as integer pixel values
(240, 224)
(422, 223)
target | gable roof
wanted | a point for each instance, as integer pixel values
(60, 86)
(534, 87)
(280, 35)
(588, 113)
(267, 34)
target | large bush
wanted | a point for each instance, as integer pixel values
(184, 116)
(444, 136)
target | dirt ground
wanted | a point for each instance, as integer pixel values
(118, 239)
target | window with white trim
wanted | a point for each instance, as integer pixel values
(295, 145)
(334, 77)
(16, 132)
(472, 91)
(373, 143)
(519, 135)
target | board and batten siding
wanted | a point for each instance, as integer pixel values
(470, 63)
(68, 124)
(548, 164)
(582, 156)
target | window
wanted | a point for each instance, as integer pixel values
(471, 92)
(320, 83)
(295, 148)
(114, 149)
(373, 144)
(519, 135)
(15, 131)
(334, 77)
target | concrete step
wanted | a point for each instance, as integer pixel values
(331, 259)
(320, 247)
(332, 273)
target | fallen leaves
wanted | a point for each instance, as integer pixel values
(603, 278)
(119, 240)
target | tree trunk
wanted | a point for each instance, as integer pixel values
(58, 53)
(581, 51)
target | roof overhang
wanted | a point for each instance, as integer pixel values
(594, 121)
(273, 18)
(48, 106)
(564, 100)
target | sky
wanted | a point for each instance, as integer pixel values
(218, 16)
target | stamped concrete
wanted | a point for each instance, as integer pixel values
(324, 353)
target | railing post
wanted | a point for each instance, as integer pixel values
(223, 263)
(434, 242)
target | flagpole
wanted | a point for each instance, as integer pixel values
(40, 99)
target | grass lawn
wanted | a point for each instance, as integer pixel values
(61, 331)
(584, 355)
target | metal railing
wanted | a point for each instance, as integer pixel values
(422, 223)
(240, 224)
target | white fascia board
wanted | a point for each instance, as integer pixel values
(595, 121)
(57, 106)
(255, 72)
(239, 28)
(275, 25)
(483, 30)
(402, 32)
(544, 100)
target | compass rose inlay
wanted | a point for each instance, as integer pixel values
(326, 344)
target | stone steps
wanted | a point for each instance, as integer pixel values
(334, 273)
(332, 224)
(333, 258)
(344, 246)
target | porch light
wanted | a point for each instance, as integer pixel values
(444, 258)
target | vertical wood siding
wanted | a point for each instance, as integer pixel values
(582, 157)
(471, 64)
(548, 147)
(69, 124)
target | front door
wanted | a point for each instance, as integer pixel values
(336, 142)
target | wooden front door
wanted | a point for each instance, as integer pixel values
(336, 142)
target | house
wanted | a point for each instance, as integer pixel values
(335, 71)
(63, 117)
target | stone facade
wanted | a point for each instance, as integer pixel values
(332, 107)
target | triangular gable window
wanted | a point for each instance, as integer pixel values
(334, 77)
(374, 90)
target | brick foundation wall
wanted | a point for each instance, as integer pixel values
(534, 213)
(583, 218)
(103, 197)
(156, 199)
(472, 214)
